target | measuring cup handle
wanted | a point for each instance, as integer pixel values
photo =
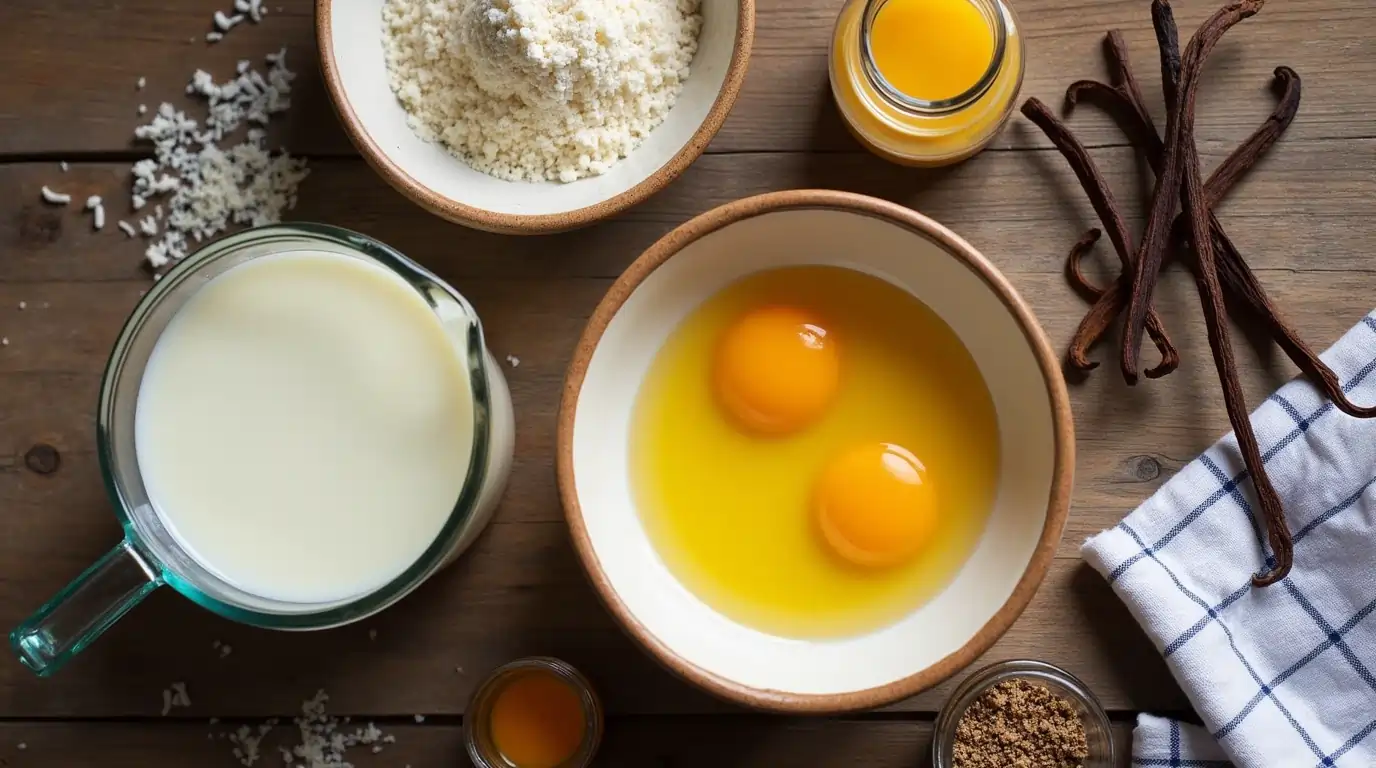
(79, 614)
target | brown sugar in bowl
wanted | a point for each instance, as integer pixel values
(1037, 444)
(349, 34)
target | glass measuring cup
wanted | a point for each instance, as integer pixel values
(150, 556)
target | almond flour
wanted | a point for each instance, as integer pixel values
(539, 90)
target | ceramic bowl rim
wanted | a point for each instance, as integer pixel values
(532, 224)
(1063, 468)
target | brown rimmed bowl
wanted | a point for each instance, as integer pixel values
(349, 34)
(1037, 442)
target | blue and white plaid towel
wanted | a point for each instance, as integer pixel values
(1281, 676)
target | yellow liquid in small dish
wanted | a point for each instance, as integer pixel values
(855, 508)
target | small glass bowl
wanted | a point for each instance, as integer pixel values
(1098, 730)
(478, 736)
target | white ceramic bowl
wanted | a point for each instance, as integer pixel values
(349, 33)
(1036, 433)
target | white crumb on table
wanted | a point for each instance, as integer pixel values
(513, 360)
(420, 718)
(127, 228)
(63, 166)
(174, 696)
(23, 746)
(55, 198)
(93, 204)
(4, 341)
(141, 83)
(372, 634)
(23, 305)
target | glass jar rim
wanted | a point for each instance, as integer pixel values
(416, 277)
(993, 11)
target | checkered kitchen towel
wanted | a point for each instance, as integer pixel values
(1281, 676)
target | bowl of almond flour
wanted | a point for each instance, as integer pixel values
(531, 116)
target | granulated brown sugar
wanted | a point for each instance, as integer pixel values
(1018, 724)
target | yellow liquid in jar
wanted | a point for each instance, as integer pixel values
(537, 721)
(733, 513)
(913, 137)
(933, 50)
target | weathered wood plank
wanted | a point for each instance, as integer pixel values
(521, 590)
(71, 66)
(635, 743)
(1308, 204)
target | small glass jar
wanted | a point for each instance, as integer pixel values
(477, 719)
(911, 131)
(1098, 730)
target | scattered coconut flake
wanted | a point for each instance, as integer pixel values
(4, 341)
(420, 718)
(225, 650)
(55, 198)
(372, 634)
(213, 37)
(246, 741)
(175, 696)
(23, 305)
(63, 166)
(210, 186)
(127, 228)
(143, 109)
(225, 23)
(513, 360)
(93, 204)
(23, 746)
(141, 83)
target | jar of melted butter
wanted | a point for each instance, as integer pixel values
(926, 82)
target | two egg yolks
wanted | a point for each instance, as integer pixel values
(775, 372)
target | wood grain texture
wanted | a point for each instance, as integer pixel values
(71, 66)
(521, 591)
(633, 743)
(1305, 218)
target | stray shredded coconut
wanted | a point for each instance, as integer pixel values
(55, 198)
(63, 165)
(175, 696)
(93, 204)
(513, 360)
(211, 187)
(141, 83)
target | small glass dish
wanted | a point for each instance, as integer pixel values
(477, 732)
(1098, 730)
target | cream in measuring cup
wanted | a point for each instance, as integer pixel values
(300, 426)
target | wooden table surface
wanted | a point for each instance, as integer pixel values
(1305, 218)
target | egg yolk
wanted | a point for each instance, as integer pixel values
(875, 505)
(776, 370)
